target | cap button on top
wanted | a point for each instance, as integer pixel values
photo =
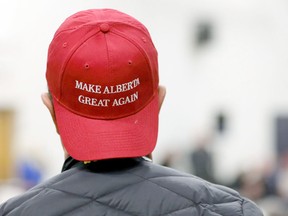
(104, 27)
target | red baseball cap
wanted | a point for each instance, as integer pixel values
(102, 72)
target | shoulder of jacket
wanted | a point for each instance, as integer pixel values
(15, 202)
(215, 197)
(249, 208)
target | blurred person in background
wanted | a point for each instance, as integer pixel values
(202, 159)
(102, 74)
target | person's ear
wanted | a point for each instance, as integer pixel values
(161, 95)
(46, 98)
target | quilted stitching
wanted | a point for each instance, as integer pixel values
(124, 193)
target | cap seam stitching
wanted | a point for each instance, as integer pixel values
(143, 53)
(107, 54)
(68, 59)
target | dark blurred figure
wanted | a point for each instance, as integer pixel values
(202, 160)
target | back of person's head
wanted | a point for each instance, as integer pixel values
(102, 74)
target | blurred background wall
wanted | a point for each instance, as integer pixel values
(224, 64)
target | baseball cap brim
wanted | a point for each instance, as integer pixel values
(88, 139)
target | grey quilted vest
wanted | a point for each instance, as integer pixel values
(127, 187)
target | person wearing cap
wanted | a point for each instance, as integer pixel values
(104, 98)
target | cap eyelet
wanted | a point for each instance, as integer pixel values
(86, 66)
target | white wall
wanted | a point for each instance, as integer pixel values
(242, 72)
